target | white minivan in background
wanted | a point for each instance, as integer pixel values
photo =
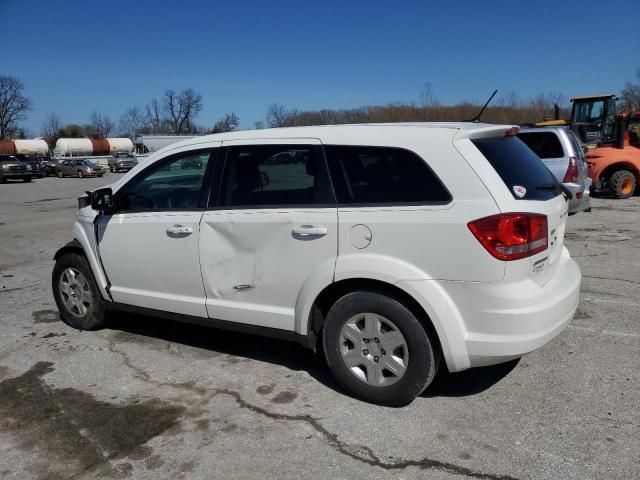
(394, 249)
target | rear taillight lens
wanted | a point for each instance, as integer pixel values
(512, 236)
(572, 174)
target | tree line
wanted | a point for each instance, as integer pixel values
(176, 113)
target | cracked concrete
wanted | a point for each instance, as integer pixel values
(148, 398)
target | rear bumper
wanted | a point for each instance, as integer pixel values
(576, 204)
(491, 323)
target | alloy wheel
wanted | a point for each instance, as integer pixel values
(75, 292)
(373, 349)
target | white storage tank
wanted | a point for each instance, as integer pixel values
(120, 145)
(74, 146)
(31, 147)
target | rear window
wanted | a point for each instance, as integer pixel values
(545, 144)
(524, 174)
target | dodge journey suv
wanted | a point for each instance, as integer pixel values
(394, 250)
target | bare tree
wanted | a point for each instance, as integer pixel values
(100, 125)
(429, 102)
(181, 109)
(153, 116)
(13, 105)
(51, 126)
(228, 123)
(259, 125)
(631, 95)
(132, 121)
(277, 116)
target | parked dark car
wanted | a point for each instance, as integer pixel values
(50, 166)
(13, 169)
(34, 162)
(121, 161)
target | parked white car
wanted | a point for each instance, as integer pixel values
(392, 246)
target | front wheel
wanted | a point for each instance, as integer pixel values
(377, 349)
(59, 173)
(623, 183)
(76, 293)
(26, 179)
(80, 174)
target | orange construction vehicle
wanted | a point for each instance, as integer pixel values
(612, 142)
(615, 166)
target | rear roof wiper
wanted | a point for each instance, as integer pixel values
(554, 187)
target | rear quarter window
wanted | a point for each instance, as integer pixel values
(524, 174)
(545, 144)
(365, 175)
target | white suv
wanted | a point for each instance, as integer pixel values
(390, 246)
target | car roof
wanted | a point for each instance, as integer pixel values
(337, 132)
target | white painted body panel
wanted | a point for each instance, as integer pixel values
(256, 248)
(484, 310)
(149, 268)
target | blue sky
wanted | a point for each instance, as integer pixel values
(78, 55)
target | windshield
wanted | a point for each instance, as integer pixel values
(524, 174)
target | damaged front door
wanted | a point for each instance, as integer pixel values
(271, 229)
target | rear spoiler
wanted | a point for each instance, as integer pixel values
(486, 131)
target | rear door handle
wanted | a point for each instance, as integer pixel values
(179, 230)
(306, 231)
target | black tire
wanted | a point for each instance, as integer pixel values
(622, 183)
(60, 175)
(95, 317)
(26, 179)
(80, 174)
(422, 353)
(3, 180)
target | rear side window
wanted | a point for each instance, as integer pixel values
(520, 169)
(545, 144)
(275, 175)
(383, 175)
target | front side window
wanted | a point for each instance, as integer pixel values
(383, 175)
(175, 183)
(275, 175)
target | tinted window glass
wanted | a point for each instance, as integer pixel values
(275, 175)
(520, 169)
(172, 184)
(382, 175)
(545, 144)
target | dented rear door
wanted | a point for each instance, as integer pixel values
(271, 231)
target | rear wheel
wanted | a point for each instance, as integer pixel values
(26, 179)
(623, 183)
(377, 349)
(59, 173)
(76, 293)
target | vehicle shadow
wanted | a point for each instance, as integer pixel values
(288, 354)
(469, 382)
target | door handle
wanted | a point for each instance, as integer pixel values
(179, 230)
(306, 231)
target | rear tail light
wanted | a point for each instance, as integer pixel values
(572, 174)
(512, 236)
